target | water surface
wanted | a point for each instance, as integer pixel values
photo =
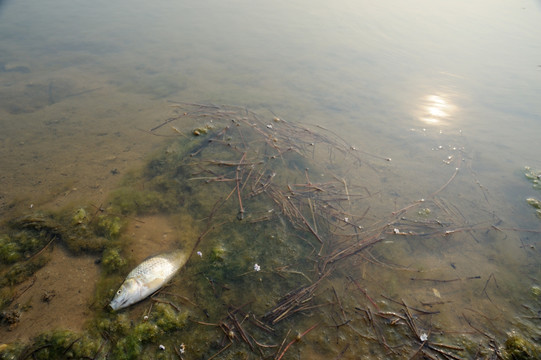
(431, 85)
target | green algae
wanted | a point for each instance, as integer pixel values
(127, 348)
(128, 339)
(57, 344)
(535, 290)
(9, 250)
(20, 245)
(77, 235)
(146, 331)
(217, 254)
(109, 226)
(519, 348)
(140, 202)
(86, 347)
(79, 217)
(115, 324)
(202, 130)
(52, 345)
(19, 272)
(534, 176)
(22, 241)
(112, 261)
(11, 351)
(168, 319)
(533, 202)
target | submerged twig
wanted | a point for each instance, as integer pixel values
(296, 339)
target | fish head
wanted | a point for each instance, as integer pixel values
(128, 293)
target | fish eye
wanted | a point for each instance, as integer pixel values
(119, 292)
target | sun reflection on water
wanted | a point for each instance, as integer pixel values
(436, 110)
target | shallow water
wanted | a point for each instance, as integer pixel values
(430, 85)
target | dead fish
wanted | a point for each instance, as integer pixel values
(148, 277)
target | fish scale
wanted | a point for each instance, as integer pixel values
(152, 266)
(148, 277)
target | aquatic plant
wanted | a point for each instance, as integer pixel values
(109, 226)
(20, 245)
(11, 351)
(168, 319)
(518, 348)
(536, 291)
(217, 254)
(51, 345)
(80, 217)
(9, 250)
(141, 202)
(127, 348)
(202, 130)
(112, 261)
(86, 347)
(115, 324)
(19, 272)
(534, 176)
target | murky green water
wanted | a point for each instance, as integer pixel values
(430, 86)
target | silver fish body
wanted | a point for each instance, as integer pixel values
(148, 277)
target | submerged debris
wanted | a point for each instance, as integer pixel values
(10, 317)
(284, 213)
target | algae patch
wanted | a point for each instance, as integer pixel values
(534, 176)
(519, 348)
(113, 261)
(127, 340)
(27, 245)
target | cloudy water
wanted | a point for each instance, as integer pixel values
(438, 100)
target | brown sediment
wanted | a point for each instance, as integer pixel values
(58, 296)
(50, 159)
(157, 234)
